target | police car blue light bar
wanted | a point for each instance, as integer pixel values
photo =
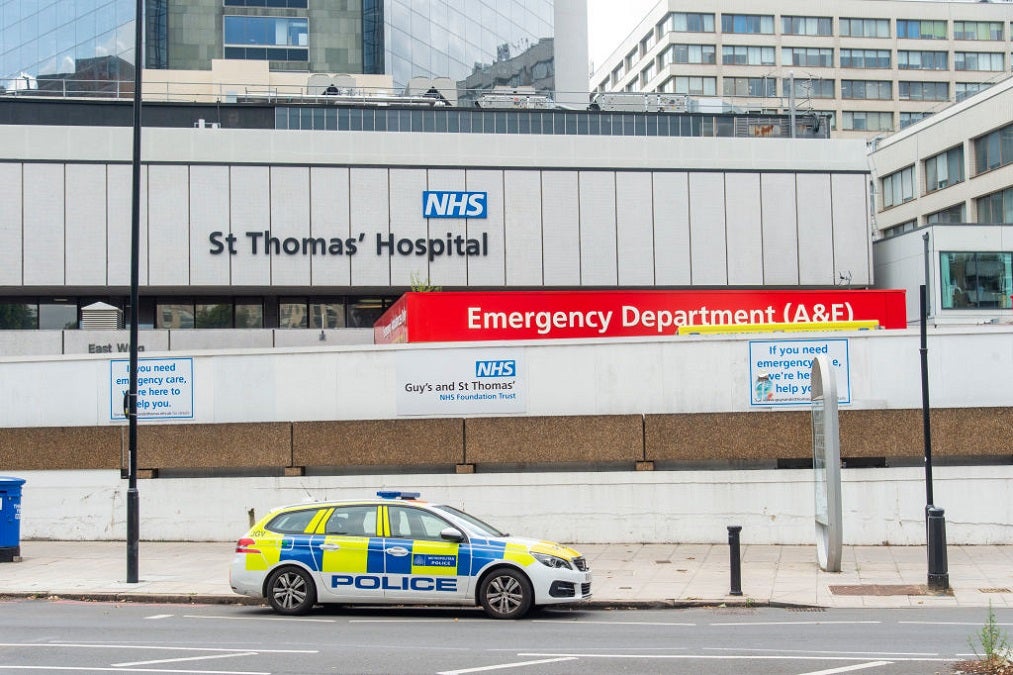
(397, 494)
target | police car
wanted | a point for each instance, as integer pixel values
(397, 549)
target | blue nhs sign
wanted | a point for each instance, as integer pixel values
(499, 368)
(445, 204)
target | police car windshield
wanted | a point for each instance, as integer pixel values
(474, 525)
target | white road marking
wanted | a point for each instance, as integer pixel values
(718, 657)
(793, 623)
(448, 620)
(186, 658)
(846, 669)
(612, 623)
(159, 616)
(818, 651)
(259, 618)
(950, 623)
(503, 666)
(80, 669)
(49, 645)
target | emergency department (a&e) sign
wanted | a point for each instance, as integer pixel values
(164, 388)
(460, 382)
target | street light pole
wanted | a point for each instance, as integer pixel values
(133, 499)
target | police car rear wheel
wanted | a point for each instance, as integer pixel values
(290, 590)
(506, 594)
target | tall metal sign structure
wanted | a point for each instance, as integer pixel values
(826, 465)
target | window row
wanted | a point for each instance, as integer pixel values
(994, 149)
(198, 313)
(763, 24)
(823, 57)
(562, 123)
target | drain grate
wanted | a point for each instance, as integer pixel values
(993, 590)
(662, 562)
(807, 609)
(881, 589)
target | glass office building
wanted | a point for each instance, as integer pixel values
(479, 43)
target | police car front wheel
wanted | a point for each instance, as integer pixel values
(506, 594)
(290, 590)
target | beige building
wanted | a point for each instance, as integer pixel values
(870, 66)
(943, 195)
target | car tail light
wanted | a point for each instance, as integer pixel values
(245, 545)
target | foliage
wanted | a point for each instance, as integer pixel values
(420, 286)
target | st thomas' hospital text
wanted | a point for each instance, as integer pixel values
(263, 243)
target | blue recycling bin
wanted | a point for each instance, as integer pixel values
(10, 518)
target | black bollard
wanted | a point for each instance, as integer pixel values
(939, 576)
(736, 565)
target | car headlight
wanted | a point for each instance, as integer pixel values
(553, 561)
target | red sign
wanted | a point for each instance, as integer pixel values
(464, 316)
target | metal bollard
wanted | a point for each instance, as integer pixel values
(736, 565)
(939, 576)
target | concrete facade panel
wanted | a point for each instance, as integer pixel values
(452, 270)
(407, 223)
(672, 260)
(598, 236)
(780, 229)
(168, 226)
(815, 231)
(45, 228)
(561, 228)
(434, 442)
(11, 235)
(635, 228)
(745, 230)
(86, 224)
(330, 218)
(369, 204)
(489, 269)
(523, 248)
(250, 213)
(290, 223)
(209, 213)
(849, 194)
(707, 222)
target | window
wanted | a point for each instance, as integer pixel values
(914, 29)
(972, 280)
(647, 73)
(352, 521)
(898, 187)
(910, 60)
(19, 315)
(867, 89)
(212, 315)
(808, 56)
(996, 207)
(266, 38)
(747, 56)
(952, 215)
(806, 25)
(704, 86)
(409, 523)
(177, 313)
(631, 59)
(647, 43)
(977, 30)
(993, 150)
(747, 23)
(290, 4)
(923, 91)
(293, 522)
(689, 22)
(688, 54)
(749, 86)
(990, 61)
(877, 28)
(866, 58)
(965, 89)
(909, 118)
(944, 169)
(811, 88)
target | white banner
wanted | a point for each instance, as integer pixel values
(779, 370)
(164, 388)
(460, 382)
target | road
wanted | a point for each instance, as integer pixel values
(87, 637)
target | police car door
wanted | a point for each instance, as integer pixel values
(351, 564)
(420, 565)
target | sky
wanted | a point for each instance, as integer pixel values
(609, 22)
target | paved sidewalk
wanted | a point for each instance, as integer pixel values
(649, 575)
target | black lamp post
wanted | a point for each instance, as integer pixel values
(133, 499)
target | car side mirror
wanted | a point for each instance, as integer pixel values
(452, 534)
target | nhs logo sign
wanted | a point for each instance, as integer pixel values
(501, 368)
(445, 204)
